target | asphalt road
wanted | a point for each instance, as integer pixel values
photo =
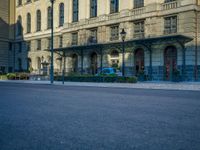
(45, 117)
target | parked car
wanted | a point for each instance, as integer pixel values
(109, 71)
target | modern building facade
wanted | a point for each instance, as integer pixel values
(7, 20)
(162, 37)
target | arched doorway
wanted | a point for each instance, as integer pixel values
(114, 56)
(74, 63)
(93, 64)
(139, 61)
(170, 62)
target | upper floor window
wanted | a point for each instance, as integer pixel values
(93, 8)
(48, 43)
(167, 1)
(28, 23)
(38, 21)
(49, 17)
(75, 11)
(138, 3)
(38, 44)
(75, 38)
(139, 29)
(93, 36)
(60, 41)
(61, 14)
(19, 2)
(114, 33)
(19, 25)
(170, 25)
(114, 6)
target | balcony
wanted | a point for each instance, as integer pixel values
(138, 11)
(170, 5)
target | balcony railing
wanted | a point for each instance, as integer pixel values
(170, 5)
(138, 11)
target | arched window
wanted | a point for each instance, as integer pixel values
(19, 25)
(114, 6)
(93, 8)
(49, 17)
(61, 14)
(38, 20)
(28, 23)
(75, 11)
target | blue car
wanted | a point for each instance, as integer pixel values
(110, 71)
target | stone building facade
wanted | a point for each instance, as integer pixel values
(162, 37)
(7, 20)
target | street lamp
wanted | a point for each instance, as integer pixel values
(52, 68)
(123, 36)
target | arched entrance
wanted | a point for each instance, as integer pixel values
(170, 62)
(139, 61)
(114, 56)
(74, 63)
(93, 64)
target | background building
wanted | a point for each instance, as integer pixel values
(7, 20)
(162, 36)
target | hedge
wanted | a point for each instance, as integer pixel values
(90, 78)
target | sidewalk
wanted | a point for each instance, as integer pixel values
(191, 86)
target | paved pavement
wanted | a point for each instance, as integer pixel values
(52, 117)
(191, 86)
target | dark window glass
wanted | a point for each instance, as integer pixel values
(93, 8)
(139, 29)
(75, 11)
(138, 3)
(48, 17)
(114, 6)
(38, 44)
(38, 20)
(61, 17)
(19, 25)
(170, 25)
(167, 1)
(74, 38)
(28, 23)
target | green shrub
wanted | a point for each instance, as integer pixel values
(3, 77)
(90, 78)
(11, 76)
(23, 76)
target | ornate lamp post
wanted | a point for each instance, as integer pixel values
(52, 67)
(123, 36)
